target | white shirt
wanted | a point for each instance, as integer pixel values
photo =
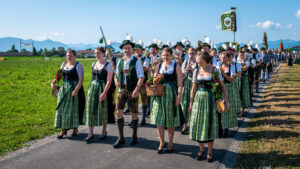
(198, 77)
(216, 62)
(79, 69)
(186, 57)
(238, 67)
(169, 70)
(138, 68)
(153, 59)
(146, 62)
(108, 67)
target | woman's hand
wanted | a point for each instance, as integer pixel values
(74, 93)
(52, 85)
(102, 97)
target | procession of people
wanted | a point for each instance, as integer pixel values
(204, 89)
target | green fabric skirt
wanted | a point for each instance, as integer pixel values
(204, 118)
(185, 99)
(229, 118)
(244, 92)
(96, 113)
(236, 95)
(163, 110)
(66, 116)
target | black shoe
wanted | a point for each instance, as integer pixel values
(143, 122)
(130, 124)
(170, 150)
(75, 134)
(62, 135)
(89, 139)
(226, 133)
(126, 112)
(209, 159)
(161, 149)
(185, 132)
(200, 157)
(103, 136)
(119, 143)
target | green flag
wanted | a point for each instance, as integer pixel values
(226, 21)
(101, 40)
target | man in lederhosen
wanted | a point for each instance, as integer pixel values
(130, 77)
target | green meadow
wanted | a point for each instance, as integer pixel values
(27, 108)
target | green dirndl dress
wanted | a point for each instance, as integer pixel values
(244, 91)
(67, 116)
(229, 118)
(185, 99)
(163, 110)
(96, 112)
(236, 95)
(204, 119)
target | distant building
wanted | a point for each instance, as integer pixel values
(85, 53)
(296, 48)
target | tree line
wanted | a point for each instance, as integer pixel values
(60, 51)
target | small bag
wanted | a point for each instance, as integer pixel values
(155, 90)
(220, 106)
(55, 90)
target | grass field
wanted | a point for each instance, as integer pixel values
(27, 108)
(273, 139)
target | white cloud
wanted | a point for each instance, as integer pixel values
(298, 14)
(268, 25)
(289, 26)
(60, 36)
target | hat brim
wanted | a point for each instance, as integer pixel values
(132, 45)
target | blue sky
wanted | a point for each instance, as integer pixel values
(77, 21)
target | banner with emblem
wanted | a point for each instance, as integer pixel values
(27, 44)
(226, 21)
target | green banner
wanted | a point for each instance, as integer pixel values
(226, 21)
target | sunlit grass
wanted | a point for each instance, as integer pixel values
(274, 133)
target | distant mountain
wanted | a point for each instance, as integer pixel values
(7, 42)
(115, 45)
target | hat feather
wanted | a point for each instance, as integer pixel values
(129, 37)
(224, 46)
(169, 43)
(207, 40)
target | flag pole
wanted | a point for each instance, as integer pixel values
(233, 37)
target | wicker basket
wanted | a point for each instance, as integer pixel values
(55, 90)
(155, 90)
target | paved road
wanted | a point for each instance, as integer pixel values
(74, 153)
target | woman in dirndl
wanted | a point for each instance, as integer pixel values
(203, 119)
(70, 96)
(188, 68)
(228, 118)
(244, 83)
(96, 109)
(236, 85)
(165, 109)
